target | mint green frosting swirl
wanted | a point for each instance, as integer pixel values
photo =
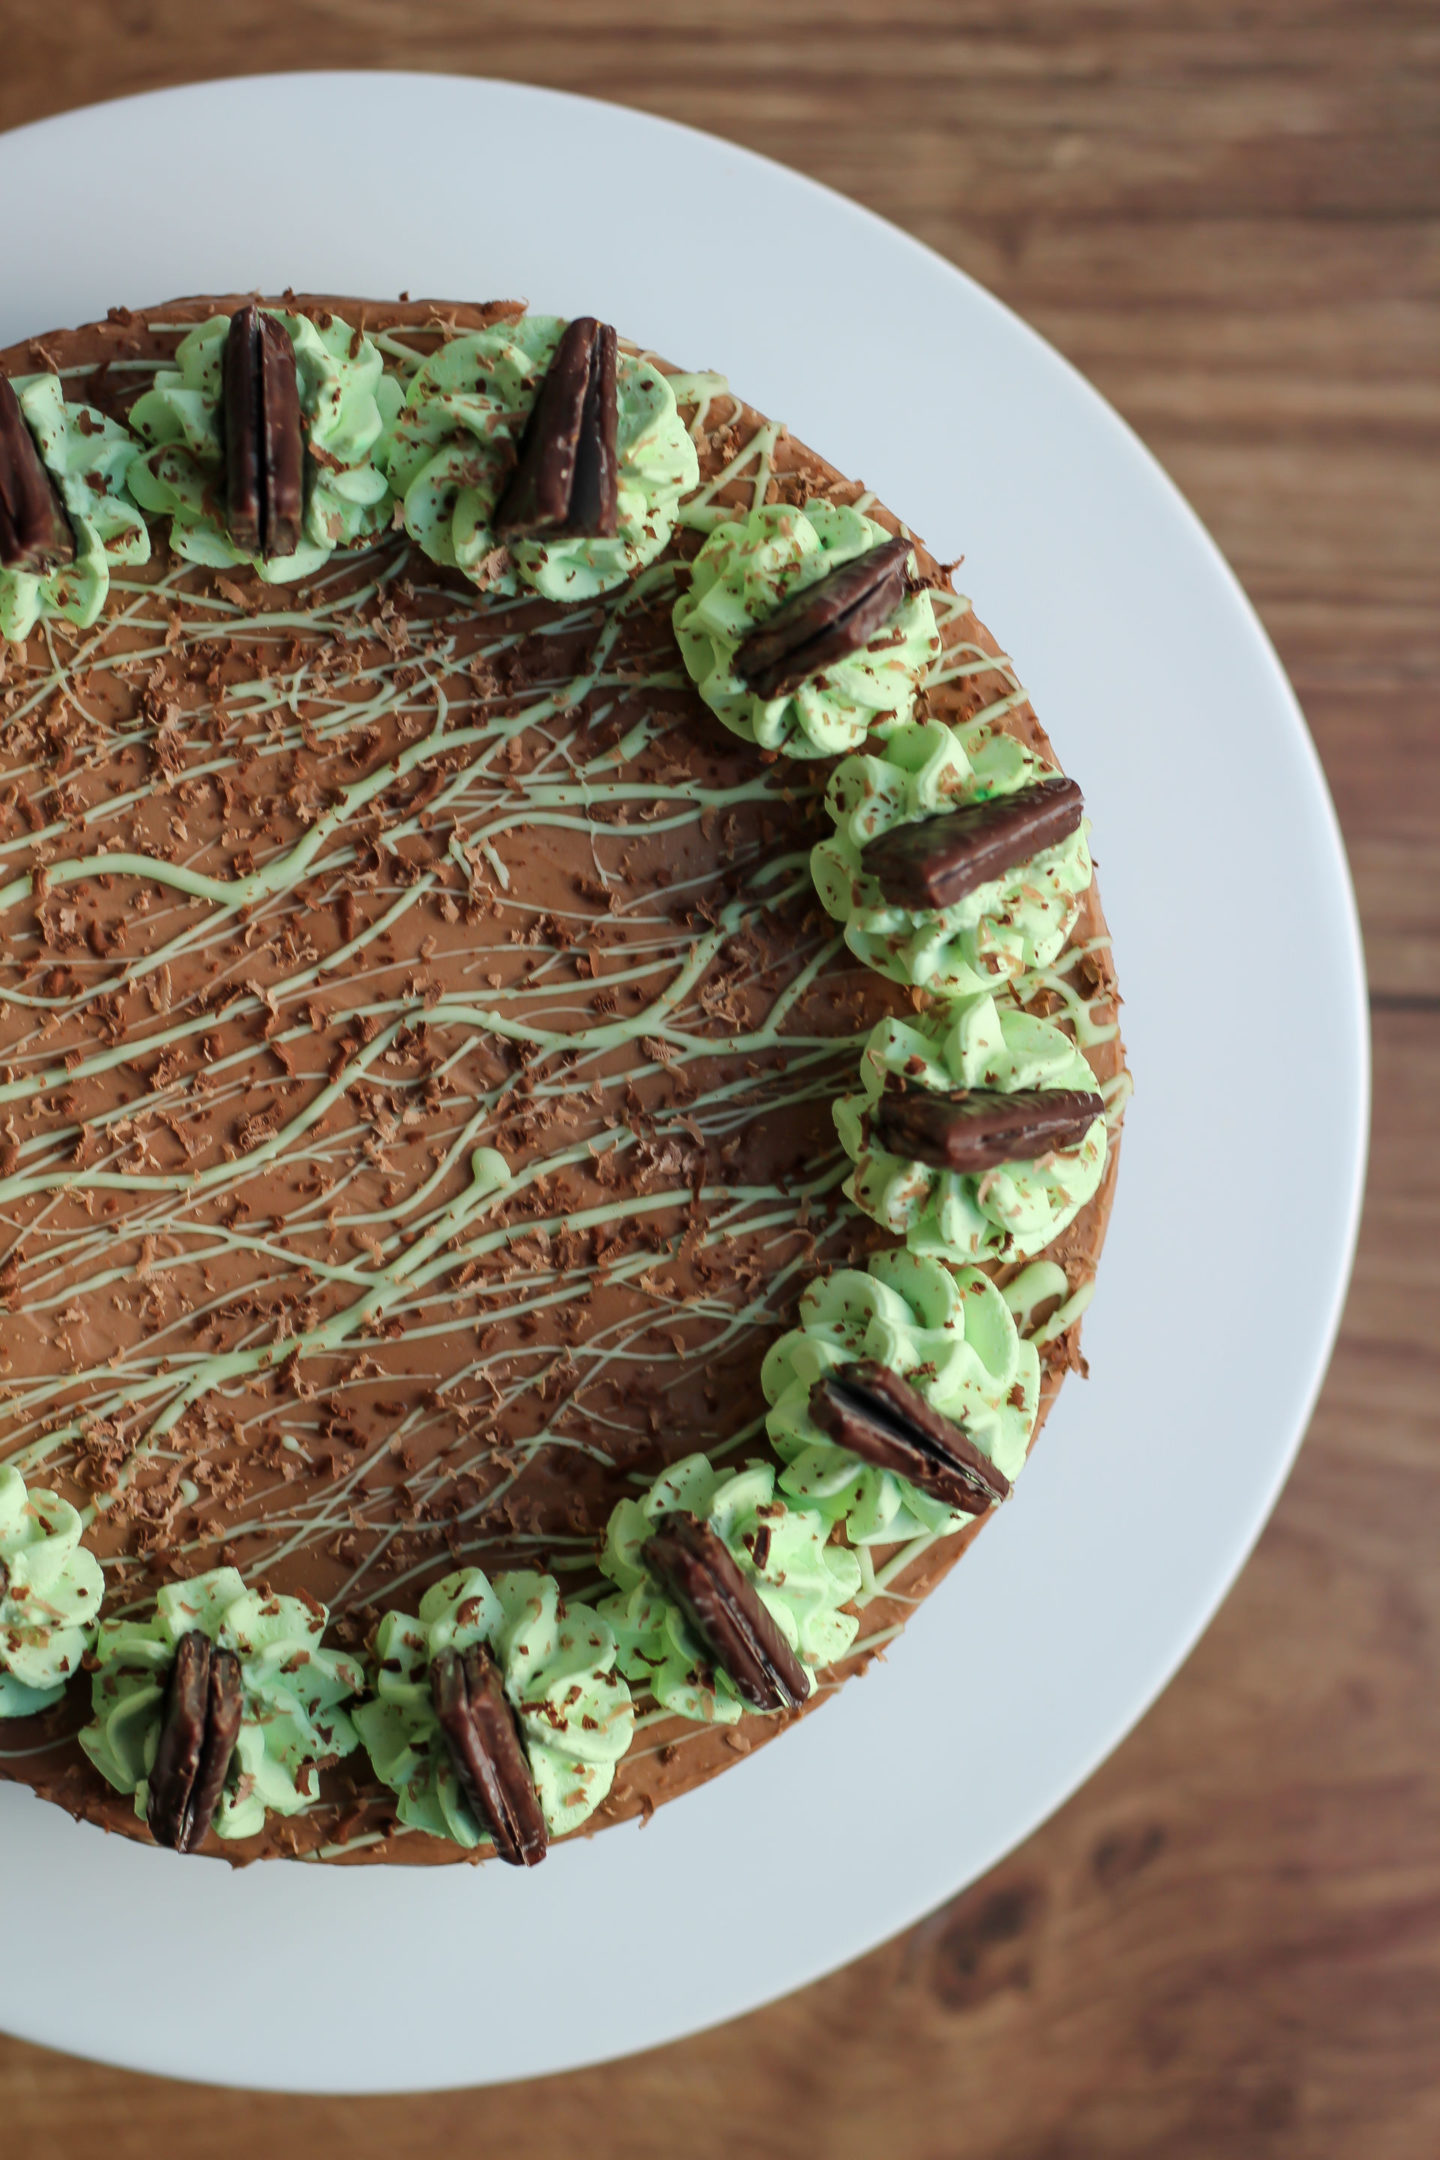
(558, 1664)
(88, 457)
(292, 1720)
(998, 932)
(50, 1591)
(745, 571)
(802, 1581)
(453, 447)
(1000, 1214)
(951, 1335)
(347, 401)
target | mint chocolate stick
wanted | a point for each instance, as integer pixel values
(975, 1129)
(203, 1705)
(566, 478)
(879, 1417)
(824, 622)
(943, 859)
(264, 437)
(35, 533)
(692, 1562)
(489, 1756)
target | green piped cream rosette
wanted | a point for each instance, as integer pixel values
(1003, 1213)
(453, 449)
(951, 1335)
(1004, 928)
(347, 401)
(50, 1591)
(802, 1581)
(746, 570)
(88, 457)
(557, 1661)
(293, 1720)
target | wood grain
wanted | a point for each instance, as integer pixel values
(1228, 217)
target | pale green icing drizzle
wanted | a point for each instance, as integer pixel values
(89, 458)
(1002, 1213)
(347, 401)
(950, 1333)
(50, 1592)
(557, 1660)
(1004, 929)
(454, 444)
(803, 1582)
(746, 569)
(292, 1723)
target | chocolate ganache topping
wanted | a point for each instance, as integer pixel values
(419, 1031)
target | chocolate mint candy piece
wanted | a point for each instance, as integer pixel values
(879, 1417)
(35, 533)
(224, 1706)
(595, 494)
(566, 479)
(825, 622)
(936, 863)
(182, 1737)
(692, 1562)
(264, 437)
(197, 1739)
(973, 1129)
(491, 1765)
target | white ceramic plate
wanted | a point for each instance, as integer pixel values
(1227, 891)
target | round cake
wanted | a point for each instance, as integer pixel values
(559, 1077)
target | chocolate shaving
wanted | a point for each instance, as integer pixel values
(825, 622)
(941, 860)
(726, 1612)
(973, 1129)
(879, 1417)
(489, 1756)
(264, 437)
(203, 1707)
(35, 533)
(566, 479)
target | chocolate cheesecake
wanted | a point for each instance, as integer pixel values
(451, 873)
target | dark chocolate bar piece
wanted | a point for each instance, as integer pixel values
(35, 533)
(942, 859)
(566, 478)
(489, 1756)
(264, 437)
(691, 1561)
(879, 1417)
(203, 1706)
(974, 1129)
(836, 616)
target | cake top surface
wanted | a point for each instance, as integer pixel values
(420, 1021)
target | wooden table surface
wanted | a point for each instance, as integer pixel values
(1229, 217)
